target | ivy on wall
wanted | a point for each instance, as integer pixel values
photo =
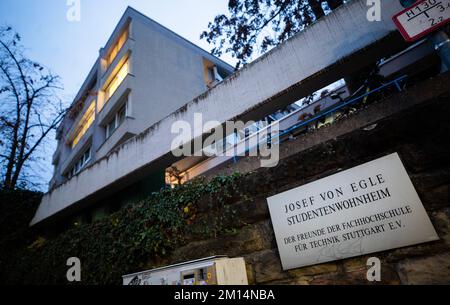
(128, 240)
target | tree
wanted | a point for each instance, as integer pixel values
(29, 108)
(262, 23)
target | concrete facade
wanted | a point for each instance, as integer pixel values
(303, 64)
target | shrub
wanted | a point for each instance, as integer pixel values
(129, 239)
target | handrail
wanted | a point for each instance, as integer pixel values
(395, 82)
(349, 102)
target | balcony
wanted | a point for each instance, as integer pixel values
(125, 51)
(124, 132)
(194, 166)
(113, 104)
(78, 150)
(89, 107)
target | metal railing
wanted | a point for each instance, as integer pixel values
(396, 82)
(207, 164)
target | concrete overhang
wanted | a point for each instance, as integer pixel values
(338, 44)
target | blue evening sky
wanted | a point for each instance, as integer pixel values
(69, 49)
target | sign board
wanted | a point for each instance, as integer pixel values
(422, 18)
(369, 208)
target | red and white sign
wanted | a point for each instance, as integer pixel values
(422, 18)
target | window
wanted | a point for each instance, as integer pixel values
(81, 163)
(111, 128)
(117, 80)
(212, 73)
(117, 47)
(121, 115)
(83, 125)
(116, 121)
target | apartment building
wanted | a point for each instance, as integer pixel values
(117, 142)
(142, 74)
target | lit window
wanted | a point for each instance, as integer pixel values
(84, 124)
(212, 75)
(117, 47)
(118, 119)
(117, 80)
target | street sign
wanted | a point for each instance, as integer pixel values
(422, 18)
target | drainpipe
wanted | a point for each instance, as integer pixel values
(441, 43)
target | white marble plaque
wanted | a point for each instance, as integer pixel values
(366, 209)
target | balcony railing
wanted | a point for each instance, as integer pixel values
(243, 147)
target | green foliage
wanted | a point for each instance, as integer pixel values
(255, 26)
(131, 239)
(17, 207)
(16, 210)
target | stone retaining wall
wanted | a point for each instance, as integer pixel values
(416, 124)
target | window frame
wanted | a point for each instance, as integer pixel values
(117, 46)
(116, 119)
(84, 124)
(81, 162)
(115, 78)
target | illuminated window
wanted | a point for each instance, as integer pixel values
(174, 177)
(84, 124)
(212, 73)
(116, 48)
(117, 80)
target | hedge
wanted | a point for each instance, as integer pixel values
(123, 242)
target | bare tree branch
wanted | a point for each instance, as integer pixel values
(30, 109)
(262, 23)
